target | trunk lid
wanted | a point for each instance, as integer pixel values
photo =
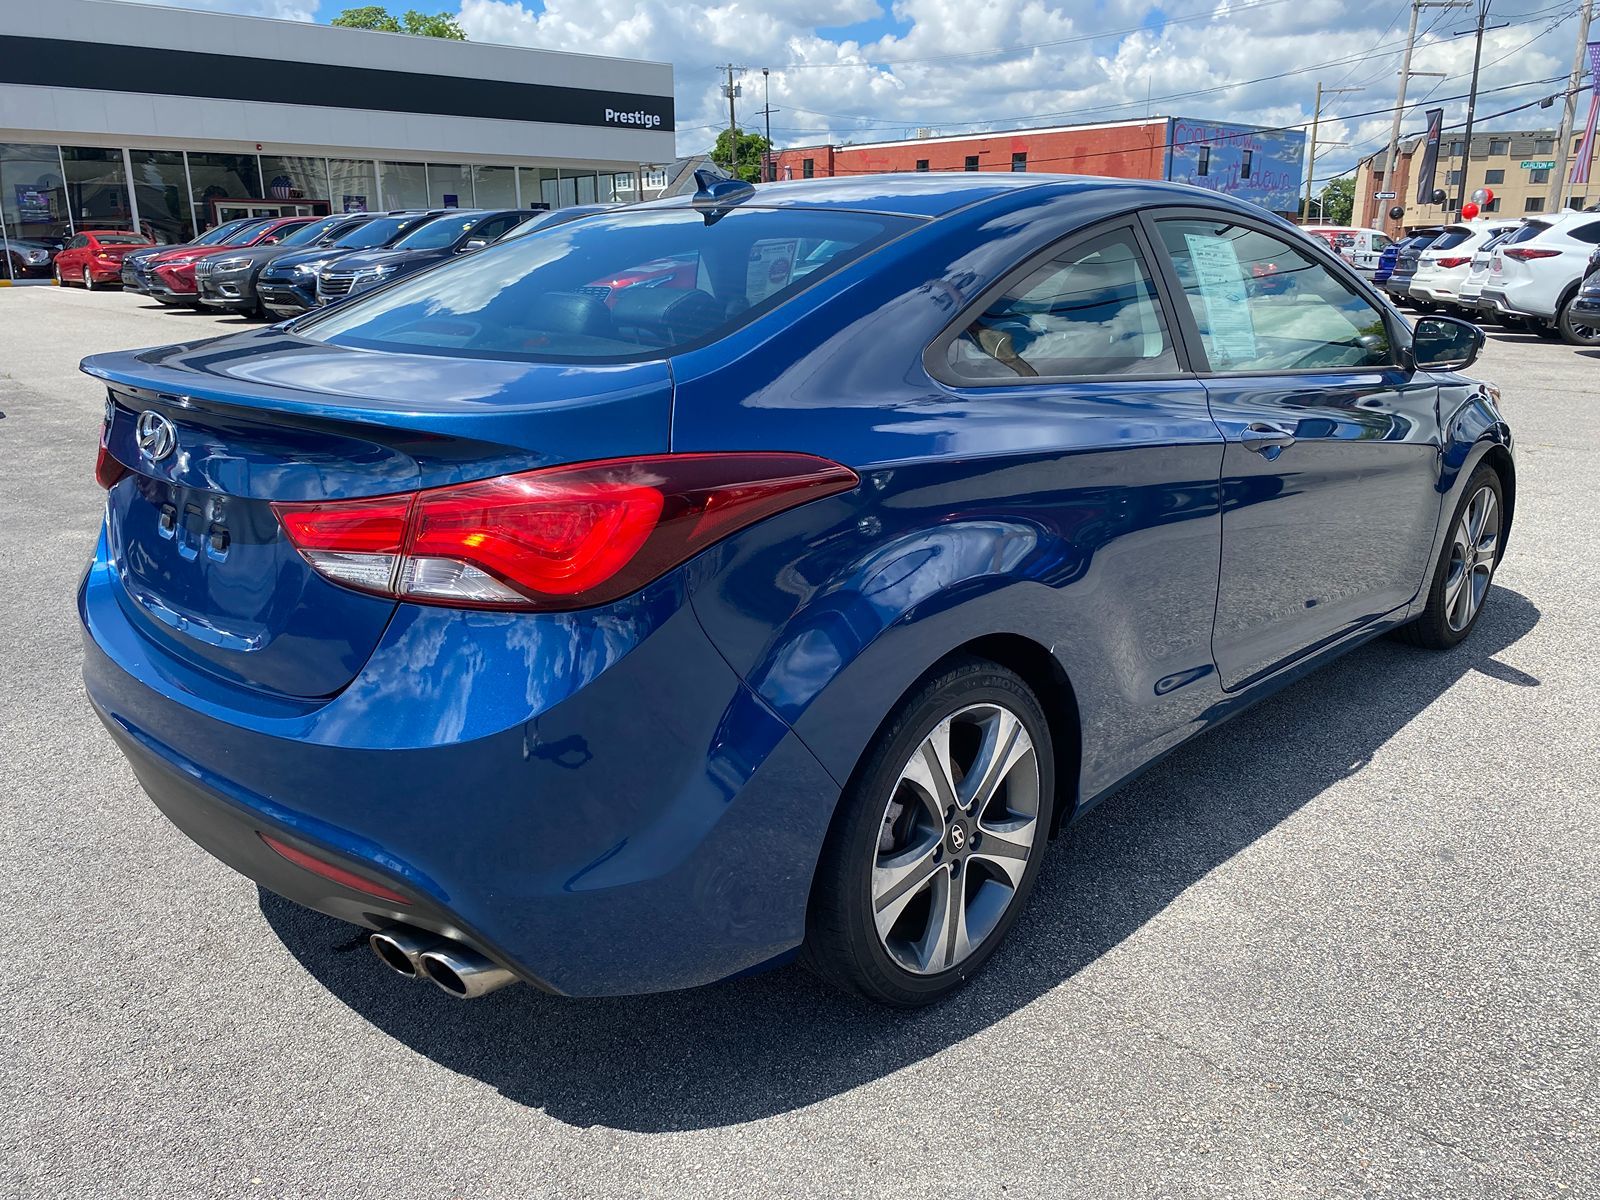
(206, 570)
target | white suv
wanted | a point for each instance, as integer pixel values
(1445, 264)
(1536, 271)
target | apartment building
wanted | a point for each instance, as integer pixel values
(1516, 165)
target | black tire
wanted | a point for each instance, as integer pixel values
(842, 943)
(1433, 630)
(1576, 330)
(1543, 328)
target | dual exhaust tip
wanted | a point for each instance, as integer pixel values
(462, 972)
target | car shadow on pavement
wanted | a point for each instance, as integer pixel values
(776, 1042)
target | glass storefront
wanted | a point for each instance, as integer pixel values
(352, 185)
(50, 192)
(216, 177)
(405, 185)
(97, 188)
(495, 187)
(161, 190)
(449, 186)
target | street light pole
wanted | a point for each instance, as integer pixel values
(1472, 104)
(1400, 99)
(766, 111)
(1316, 125)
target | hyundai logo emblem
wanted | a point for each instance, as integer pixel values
(156, 436)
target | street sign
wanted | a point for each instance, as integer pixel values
(1529, 164)
(1383, 195)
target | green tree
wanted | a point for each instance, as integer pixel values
(1339, 201)
(373, 16)
(749, 151)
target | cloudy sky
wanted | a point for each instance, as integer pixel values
(865, 70)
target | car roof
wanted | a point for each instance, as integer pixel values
(936, 193)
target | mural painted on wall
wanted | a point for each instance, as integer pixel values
(1264, 168)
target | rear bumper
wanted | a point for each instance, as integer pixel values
(1399, 288)
(593, 799)
(1514, 301)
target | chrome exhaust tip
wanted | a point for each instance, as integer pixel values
(400, 949)
(464, 973)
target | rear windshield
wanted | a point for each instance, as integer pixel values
(1529, 231)
(121, 239)
(1450, 239)
(630, 285)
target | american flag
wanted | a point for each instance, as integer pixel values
(1585, 155)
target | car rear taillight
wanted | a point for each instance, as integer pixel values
(1524, 254)
(331, 871)
(556, 538)
(107, 470)
(1453, 262)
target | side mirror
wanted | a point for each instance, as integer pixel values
(473, 244)
(1445, 344)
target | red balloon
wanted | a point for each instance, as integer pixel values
(1468, 211)
(1488, 195)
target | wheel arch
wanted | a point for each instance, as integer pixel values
(1499, 458)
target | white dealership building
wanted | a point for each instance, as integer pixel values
(167, 120)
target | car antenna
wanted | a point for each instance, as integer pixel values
(718, 194)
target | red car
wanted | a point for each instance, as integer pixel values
(170, 276)
(95, 256)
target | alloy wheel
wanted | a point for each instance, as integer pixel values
(1577, 329)
(1474, 545)
(88, 280)
(958, 831)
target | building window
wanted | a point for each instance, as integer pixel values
(352, 185)
(1499, 146)
(1019, 161)
(495, 187)
(1453, 177)
(447, 180)
(1492, 206)
(163, 195)
(1454, 150)
(972, 162)
(1544, 145)
(1533, 204)
(1576, 203)
(922, 164)
(1245, 163)
(1203, 161)
(97, 188)
(1542, 175)
(33, 201)
(1496, 176)
(808, 168)
(404, 184)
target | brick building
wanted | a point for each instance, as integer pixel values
(1260, 166)
(1516, 165)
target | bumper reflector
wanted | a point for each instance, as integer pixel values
(327, 870)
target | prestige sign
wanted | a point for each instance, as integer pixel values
(646, 120)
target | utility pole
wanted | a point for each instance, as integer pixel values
(1316, 125)
(731, 90)
(1558, 178)
(1400, 100)
(1472, 104)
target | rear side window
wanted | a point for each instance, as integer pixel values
(1090, 311)
(1264, 305)
(1527, 233)
(1450, 239)
(615, 287)
(1586, 233)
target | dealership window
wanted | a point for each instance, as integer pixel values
(1497, 175)
(1091, 311)
(922, 164)
(567, 190)
(352, 185)
(1533, 204)
(403, 184)
(1542, 175)
(162, 190)
(1247, 161)
(541, 184)
(1499, 146)
(1019, 161)
(1202, 161)
(290, 178)
(33, 200)
(605, 186)
(97, 188)
(971, 163)
(446, 181)
(222, 177)
(808, 168)
(495, 187)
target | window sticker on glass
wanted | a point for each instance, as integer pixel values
(1231, 332)
(771, 266)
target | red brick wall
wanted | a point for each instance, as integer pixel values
(1127, 152)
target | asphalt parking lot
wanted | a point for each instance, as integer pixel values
(1347, 946)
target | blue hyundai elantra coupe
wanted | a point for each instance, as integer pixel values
(774, 571)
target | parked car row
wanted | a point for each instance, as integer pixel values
(281, 266)
(1537, 274)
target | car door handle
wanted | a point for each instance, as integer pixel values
(1261, 437)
